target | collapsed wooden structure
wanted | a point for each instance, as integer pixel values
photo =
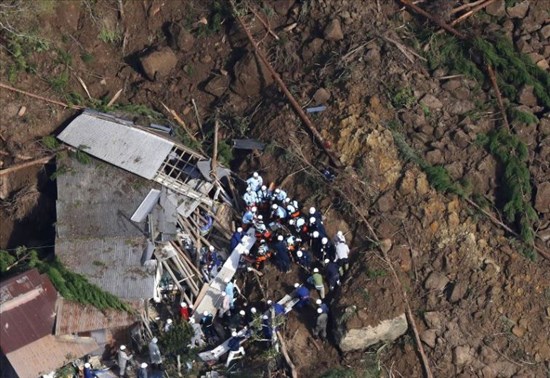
(182, 209)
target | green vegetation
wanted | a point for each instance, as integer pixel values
(403, 98)
(514, 69)
(516, 180)
(70, 285)
(375, 273)
(50, 142)
(225, 153)
(59, 82)
(109, 35)
(220, 11)
(522, 117)
(87, 57)
(438, 176)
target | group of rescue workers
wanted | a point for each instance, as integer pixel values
(285, 235)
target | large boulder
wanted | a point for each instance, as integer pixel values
(333, 31)
(159, 63)
(362, 338)
(251, 76)
(542, 200)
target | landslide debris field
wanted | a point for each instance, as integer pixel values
(443, 141)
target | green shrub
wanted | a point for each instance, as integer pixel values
(516, 180)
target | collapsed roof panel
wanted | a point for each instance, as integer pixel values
(95, 236)
(115, 141)
(113, 264)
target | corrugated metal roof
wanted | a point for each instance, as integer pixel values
(74, 318)
(95, 236)
(115, 141)
(27, 309)
(49, 353)
(113, 264)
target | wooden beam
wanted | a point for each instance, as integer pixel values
(27, 164)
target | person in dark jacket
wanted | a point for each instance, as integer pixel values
(142, 372)
(281, 257)
(235, 347)
(302, 293)
(88, 373)
(236, 239)
(333, 274)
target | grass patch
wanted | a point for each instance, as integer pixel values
(59, 82)
(514, 69)
(403, 98)
(87, 57)
(375, 273)
(109, 35)
(522, 117)
(50, 142)
(516, 180)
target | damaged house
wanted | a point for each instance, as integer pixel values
(28, 317)
(119, 215)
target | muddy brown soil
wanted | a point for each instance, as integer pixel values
(481, 307)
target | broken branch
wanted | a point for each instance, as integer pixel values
(2, 85)
(436, 20)
(501, 107)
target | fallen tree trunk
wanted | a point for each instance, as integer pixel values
(325, 145)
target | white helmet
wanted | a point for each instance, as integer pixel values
(144, 365)
(234, 334)
(312, 210)
(122, 347)
(87, 365)
(255, 175)
(312, 220)
(300, 222)
(265, 317)
(324, 240)
(264, 187)
(211, 248)
(253, 310)
(249, 189)
(260, 217)
(191, 320)
(242, 313)
(339, 234)
(315, 270)
(296, 285)
(205, 313)
(274, 206)
(239, 229)
(154, 340)
(224, 293)
(287, 199)
(319, 302)
(269, 302)
(327, 261)
(291, 222)
(315, 234)
(280, 238)
(299, 254)
(319, 310)
(183, 304)
(254, 209)
(169, 321)
(277, 190)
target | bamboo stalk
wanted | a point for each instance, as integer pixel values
(10, 88)
(501, 107)
(471, 12)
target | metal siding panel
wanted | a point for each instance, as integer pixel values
(130, 148)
